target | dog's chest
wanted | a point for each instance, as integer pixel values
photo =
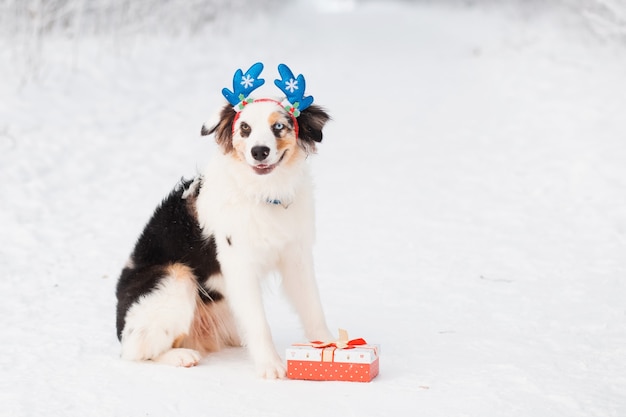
(238, 208)
(258, 226)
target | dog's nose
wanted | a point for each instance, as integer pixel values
(260, 152)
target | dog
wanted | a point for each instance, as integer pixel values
(192, 283)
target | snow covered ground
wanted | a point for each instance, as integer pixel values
(471, 195)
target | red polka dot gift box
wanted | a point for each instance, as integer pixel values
(341, 360)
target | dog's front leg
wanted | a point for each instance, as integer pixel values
(299, 283)
(243, 291)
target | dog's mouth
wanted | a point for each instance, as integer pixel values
(264, 169)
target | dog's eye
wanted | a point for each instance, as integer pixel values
(245, 127)
(278, 126)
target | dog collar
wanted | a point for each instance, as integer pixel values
(277, 202)
(293, 87)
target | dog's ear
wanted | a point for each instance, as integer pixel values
(311, 122)
(222, 126)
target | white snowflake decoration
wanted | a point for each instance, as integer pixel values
(291, 85)
(247, 81)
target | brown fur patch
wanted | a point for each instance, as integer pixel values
(238, 150)
(244, 130)
(286, 142)
(213, 328)
(288, 145)
(178, 342)
(180, 272)
(192, 197)
(311, 122)
(276, 117)
(224, 129)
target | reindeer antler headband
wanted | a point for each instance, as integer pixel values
(293, 87)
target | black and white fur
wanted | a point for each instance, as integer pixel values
(192, 283)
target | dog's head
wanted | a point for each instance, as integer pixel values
(267, 133)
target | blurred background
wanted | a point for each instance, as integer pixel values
(25, 25)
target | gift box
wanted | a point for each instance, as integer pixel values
(341, 360)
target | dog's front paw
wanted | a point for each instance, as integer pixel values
(179, 357)
(271, 369)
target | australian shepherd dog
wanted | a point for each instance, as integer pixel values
(193, 282)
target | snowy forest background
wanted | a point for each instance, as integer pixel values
(25, 24)
(29, 20)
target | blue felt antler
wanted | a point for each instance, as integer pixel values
(293, 87)
(243, 85)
